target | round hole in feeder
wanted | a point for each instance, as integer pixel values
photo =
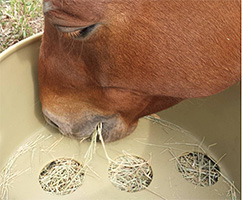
(130, 173)
(62, 176)
(198, 169)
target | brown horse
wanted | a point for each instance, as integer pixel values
(115, 61)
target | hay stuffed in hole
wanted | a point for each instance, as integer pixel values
(130, 173)
(198, 168)
(61, 176)
(65, 175)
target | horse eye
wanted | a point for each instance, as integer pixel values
(86, 31)
(75, 32)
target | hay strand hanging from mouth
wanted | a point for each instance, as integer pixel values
(99, 132)
(92, 148)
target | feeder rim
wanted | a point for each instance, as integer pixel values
(20, 45)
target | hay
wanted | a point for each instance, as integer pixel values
(92, 148)
(210, 170)
(198, 169)
(60, 166)
(229, 183)
(130, 173)
(199, 146)
(231, 193)
(7, 174)
(127, 172)
(51, 147)
(56, 176)
(99, 132)
(158, 145)
(67, 175)
(165, 124)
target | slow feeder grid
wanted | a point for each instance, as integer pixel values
(119, 163)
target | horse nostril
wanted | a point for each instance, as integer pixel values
(54, 124)
(51, 122)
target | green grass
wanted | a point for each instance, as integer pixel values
(19, 19)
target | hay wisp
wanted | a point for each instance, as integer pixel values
(166, 124)
(7, 174)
